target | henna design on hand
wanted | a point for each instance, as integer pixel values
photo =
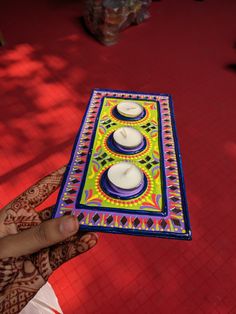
(21, 277)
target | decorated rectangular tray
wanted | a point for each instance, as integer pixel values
(125, 172)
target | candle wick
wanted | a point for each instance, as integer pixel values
(128, 169)
(123, 132)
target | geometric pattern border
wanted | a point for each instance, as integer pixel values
(174, 224)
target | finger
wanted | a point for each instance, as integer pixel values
(9, 268)
(60, 254)
(46, 214)
(44, 235)
(24, 220)
(47, 260)
(30, 219)
(37, 193)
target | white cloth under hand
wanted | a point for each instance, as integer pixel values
(44, 302)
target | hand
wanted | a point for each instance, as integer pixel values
(32, 245)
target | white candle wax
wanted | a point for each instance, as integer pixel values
(128, 137)
(125, 175)
(129, 109)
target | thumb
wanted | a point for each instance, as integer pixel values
(44, 235)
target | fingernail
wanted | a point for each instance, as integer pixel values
(69, 225)
(85, 238)
(90, 239)
(96, 236)
(92, 243)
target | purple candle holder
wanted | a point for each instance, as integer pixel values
(119, 116)
(119, 193)
(124, 150)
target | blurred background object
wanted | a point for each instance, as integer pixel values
(106, 18)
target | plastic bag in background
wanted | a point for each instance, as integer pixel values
(106, 18)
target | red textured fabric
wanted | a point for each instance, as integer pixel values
(48, 68)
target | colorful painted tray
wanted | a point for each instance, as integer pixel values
(160, 209)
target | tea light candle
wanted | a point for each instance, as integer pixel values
(129, 109)
(128, 137)
(125, 175)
